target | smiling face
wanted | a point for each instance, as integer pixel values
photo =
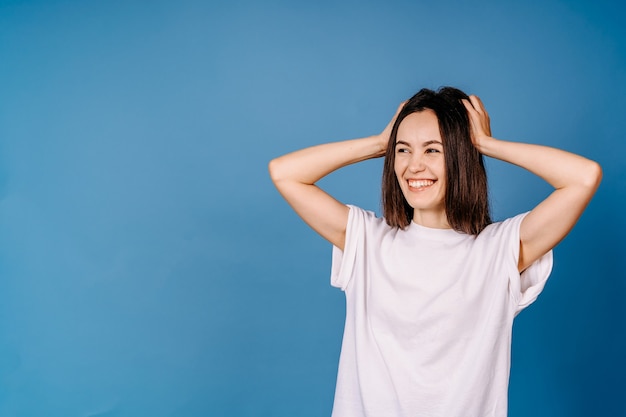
(454, 190)
(420, 168)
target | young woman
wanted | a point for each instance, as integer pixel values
(432, 287)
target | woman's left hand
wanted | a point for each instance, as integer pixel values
(480, 126)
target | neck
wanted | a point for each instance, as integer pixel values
(433, 219)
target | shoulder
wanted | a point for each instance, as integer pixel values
(502, 237)
(504, 227)
(357, 214)
(366, 223)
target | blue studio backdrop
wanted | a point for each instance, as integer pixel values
(149, 268)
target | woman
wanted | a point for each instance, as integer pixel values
(432, 288)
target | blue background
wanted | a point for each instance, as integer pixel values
(149, 268)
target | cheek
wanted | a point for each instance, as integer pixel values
(443, 178)
(397, 169)
(444, 187)
(441, 167)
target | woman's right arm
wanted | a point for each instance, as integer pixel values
(296, 173)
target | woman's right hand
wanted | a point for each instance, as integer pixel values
(386, 133)
(296, 174)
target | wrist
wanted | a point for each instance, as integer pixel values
(382, 142)
(485, 145)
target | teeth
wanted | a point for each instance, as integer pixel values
(421, 183)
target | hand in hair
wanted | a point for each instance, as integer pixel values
(574, 178)
(386, 133)
(480, 125)
(296, 174)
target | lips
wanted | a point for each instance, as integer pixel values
(420, 184)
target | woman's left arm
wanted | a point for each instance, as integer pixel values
(574, 178)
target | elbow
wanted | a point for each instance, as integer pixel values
(272, 167)
(593, 175)
(275, 170)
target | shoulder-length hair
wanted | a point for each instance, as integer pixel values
(466, 195)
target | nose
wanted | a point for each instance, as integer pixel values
(416, 164)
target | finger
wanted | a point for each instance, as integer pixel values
(481, 107)
(478, 105)
(401, 106)
(478, 100)
(473, 115)
(399, 109)
(484, 116)
(468, 105)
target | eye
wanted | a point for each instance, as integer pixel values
(432, 150)
(402, 150)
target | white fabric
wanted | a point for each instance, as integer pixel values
(429, 315)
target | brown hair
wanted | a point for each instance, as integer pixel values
(466, 196)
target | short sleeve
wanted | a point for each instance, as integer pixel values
(344, 262)
(525, 287)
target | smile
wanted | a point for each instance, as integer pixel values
(419, 184)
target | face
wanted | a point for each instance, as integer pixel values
(420, 167)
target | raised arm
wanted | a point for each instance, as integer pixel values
(574, 178)
(295, 175)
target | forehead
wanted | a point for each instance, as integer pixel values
(419, 127)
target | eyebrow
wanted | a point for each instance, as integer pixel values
(427, 143)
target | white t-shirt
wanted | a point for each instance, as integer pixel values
(429, 316)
